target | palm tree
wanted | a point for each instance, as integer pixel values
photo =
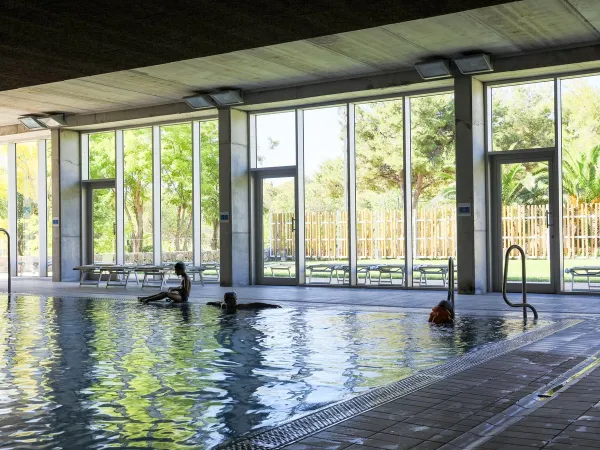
(581, 172)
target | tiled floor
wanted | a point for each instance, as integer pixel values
(491, 303)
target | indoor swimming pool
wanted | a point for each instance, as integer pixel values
(102, 373)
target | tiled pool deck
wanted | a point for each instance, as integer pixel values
(542, 394)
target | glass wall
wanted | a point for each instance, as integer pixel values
(209, 170)
(137, 195)
(433, 188)
(523, 116)
(326, 194)
(378, 180)
(101, 148)
(3, 207)
(581, 182)
(176, 192)
(380, 226)
(28, 242)
(175, 205)
(276, 139)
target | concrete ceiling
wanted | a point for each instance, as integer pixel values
(506, 29)
(44, 41)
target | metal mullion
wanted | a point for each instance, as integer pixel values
(408, 231)
(12, 205)
(300, 200)
(197, 193)
(351, 186)
(119, 198)
(156, 191)
(42, 210)
(556, 186)
(85, 157)
(252, 163)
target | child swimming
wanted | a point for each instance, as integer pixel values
(230, 304)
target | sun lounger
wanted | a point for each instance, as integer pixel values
(584, 271)
(390, 270)
(432, 269)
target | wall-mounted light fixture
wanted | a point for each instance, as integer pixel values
(199, 101)
(32, 122)
(431, 70)
(471, 64)
(228, 97)
(53, 120)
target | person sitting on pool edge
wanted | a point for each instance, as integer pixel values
(179, 294)
(230, 304)
(443, 313)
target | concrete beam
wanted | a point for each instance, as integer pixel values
(149, 115)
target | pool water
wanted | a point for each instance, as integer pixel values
(98, 373)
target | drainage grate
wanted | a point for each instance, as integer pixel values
(316, 421)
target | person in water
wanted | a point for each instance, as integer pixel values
(230, 304)
(442, 313)
(178, 294)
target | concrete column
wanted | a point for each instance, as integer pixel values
(234, 197)
(42, 209)
(470, 185)
(66, 204)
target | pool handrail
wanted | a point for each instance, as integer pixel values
(525, 305)
(8, 252)
(451, 280)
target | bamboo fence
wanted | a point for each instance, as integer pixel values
(380, 233)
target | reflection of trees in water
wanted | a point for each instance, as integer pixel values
(241, 366)
(29, 354)
(152, 376)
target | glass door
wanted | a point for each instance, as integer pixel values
(276, 228)
(523, 214)
(102, 211)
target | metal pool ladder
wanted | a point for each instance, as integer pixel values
(8, 247)
(525, 305)
(451, 280)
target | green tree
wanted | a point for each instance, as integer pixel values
(581, 175)
(138, 186)
(209, 149)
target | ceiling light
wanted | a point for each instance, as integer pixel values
(199, 101)
(431, 70)
(32, 123)
(228, 97)
(474, 64)
(53, 120)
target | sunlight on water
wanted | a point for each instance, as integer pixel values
(112, 373)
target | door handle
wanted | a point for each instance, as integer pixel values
(293, 224)
(548, 219)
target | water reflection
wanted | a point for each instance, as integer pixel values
(109, 373)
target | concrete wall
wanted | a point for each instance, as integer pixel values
(234, 197)
(66, 204)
